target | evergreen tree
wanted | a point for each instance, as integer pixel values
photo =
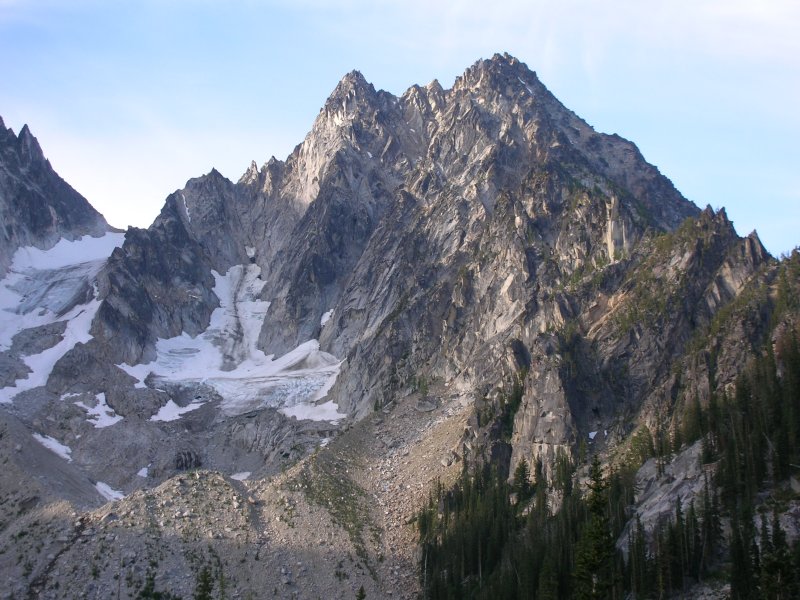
(638, 562)
(743, 584)
(540, 511)
(548, 580)
(205, 584)
(522, 481)
(594, 555)
(693, 421)
(777, 578)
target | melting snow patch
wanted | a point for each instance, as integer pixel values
(171, 411)
(101, 415)
(251, 251)
(186, 208)
(325, 318)
(527, 87)
(324, 442)
(107, 492)
(241, 476)
(54, 445)
(592, 434)
(144, 471)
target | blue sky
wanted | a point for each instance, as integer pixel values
(131, 99)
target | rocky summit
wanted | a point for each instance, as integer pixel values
(260, 394)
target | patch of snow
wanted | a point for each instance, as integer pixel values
(171, 411)
(325, 441)
(54, 445)
(40, 288)
(79, 321)
(144, 471)
(592, 435)
(325, 318)
(412, 130)
(138, 372)
(107, 492)
(241, 476)
(251, 251)
(100, 415)
(527, 87)
(227, 358)
(186, 208)
(328, 411)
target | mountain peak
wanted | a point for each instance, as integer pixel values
(251, 174)
(29, 148)
(352, 91)
(495, 71)
(355, 76)
(353, 82)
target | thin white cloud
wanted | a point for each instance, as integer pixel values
(730, 30)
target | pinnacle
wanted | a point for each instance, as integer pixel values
(250, 174)
(354, 80)
(353, 86)
(496, 71)
(29, 145)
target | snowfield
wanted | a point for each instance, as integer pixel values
(226, 357)
(44, 287)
